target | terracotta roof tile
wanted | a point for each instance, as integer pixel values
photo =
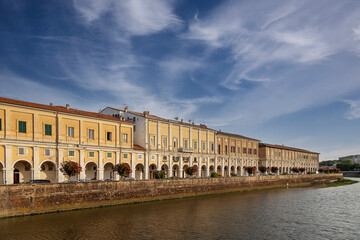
(137, 147)
(60, 109)
(286, 148)
(236, 135)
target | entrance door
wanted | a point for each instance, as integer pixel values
(16, 176)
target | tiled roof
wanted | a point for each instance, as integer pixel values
(60, 109)
(236, 135)
(286, 148)
(137, 147)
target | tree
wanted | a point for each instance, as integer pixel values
(262, 169)
(160, 174)
(123, 169)
(274, 169)
(295, 170)
(191, 171)
(302, 170)
(70, 168)
(347, 161)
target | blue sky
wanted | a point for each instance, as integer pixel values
(286, 72)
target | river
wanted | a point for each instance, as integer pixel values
(295, 213)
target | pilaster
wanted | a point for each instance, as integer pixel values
(101, 167)
(9, 176)
(36, 166)
(82, 164)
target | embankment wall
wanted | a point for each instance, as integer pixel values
(25, 199)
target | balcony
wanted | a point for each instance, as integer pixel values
(186, 150)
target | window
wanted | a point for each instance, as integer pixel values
(125, 155)
(140, 157)
(109, 155)
(91, 154)
(212, 147)
(164, 142)
(48, 131)
(195, 159)
(152, 140)
(203, 146)
(153, 157)
(21, 151)
(185, 143)
(125, 138)
(109, 136)
(232, 149)
(195, 145)
(71, 153)
(47, 152)
(226, 149)
(91, 134)
(22, 127)
(175, 143)
(219, 149)
(0, 124)
(244, 150)
(255, 151)
(70, 132)
(238, 150)
(249, 150)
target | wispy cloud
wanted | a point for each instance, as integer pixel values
(354, 110)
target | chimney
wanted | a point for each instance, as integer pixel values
(126, 108)
(51, 104)
(67, 106)
(182, 120)
(144, 113)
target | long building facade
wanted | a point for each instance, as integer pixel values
(35, 139)
(285, 158)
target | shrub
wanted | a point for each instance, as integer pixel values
(302, 170)
(70, 168)
(233, 174)
(123, 169)
(250, 170)
(295, 170)
(262, 169)
(191, 170)
(160, 174)
(274, 169)
(214, 175)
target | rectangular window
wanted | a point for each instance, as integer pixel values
(232, 149)
(195, 145)
(91, 154)
(109, 136)
(91, 134)
(203, 146)
(48, 129)
(255, 151)
(140, 157)
(109, 155)
(71, 153)
(125, 138)
(244, 150)
(22, 127)
(0, 125)
(175, 143)
(47, 152)
(125, 155)
(212, 147)
(226, 150)
(70, 132)
(164, 142)
(219, 149)
(185, 143)
(153, 157)
(21, 151)
(152, 140)
(249, 151)
(195, 159)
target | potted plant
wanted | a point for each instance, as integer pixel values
(274, 169)
(191, 171)
(70, 168)
(123, 169)
(262, 169)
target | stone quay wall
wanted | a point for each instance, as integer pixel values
(26, 199)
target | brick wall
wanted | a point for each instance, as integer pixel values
(27, 199)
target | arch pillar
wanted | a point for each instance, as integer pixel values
(82, 164)
(36, 167)
(59, 174)
(9, 179)
(117, 161)
(222, 167)
(207, 173)
(100, 175)
(132, 165)
(170, 169)
(146, 166)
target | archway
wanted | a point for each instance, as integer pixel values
(232, 173)
(109, 171)
(22, 171)
(211, 169)
(203, 171)
(139, 172)
(48, 171)
(175, 170)
(165, 168)
(91, 171)
(1, 173)
(197, 172)
(184, 175)
(238, 171)
(219, 170)
(226, 171)
(152, 170)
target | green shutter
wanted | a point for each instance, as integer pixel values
(22, 127)
(0, 125)
(48, 130)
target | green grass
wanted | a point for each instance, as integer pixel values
(341, 182)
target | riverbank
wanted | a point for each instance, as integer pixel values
(27, 199)
(341, 182)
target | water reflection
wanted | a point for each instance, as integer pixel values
(326, 213)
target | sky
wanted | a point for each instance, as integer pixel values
(285, 72)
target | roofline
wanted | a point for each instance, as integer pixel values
(236, 135)
(286, 148)
(70, 111)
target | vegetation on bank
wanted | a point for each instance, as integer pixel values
(343, 165)
(341, 182)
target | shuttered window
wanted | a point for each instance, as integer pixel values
(48, 129)
(22, 127)
(0, 125)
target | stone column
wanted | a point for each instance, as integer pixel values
(170, 172)
(181, 175)
(60, 175)
(7, 134)
(36, 166)
(146, 166)
(222, 167)
(158, 167)
(117, 161)
(207, 174)
(82, 164)
(9, 175)
(132, 165)
(100, 174)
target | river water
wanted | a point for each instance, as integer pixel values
(295, 213)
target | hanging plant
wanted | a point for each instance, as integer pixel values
(70, 168)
